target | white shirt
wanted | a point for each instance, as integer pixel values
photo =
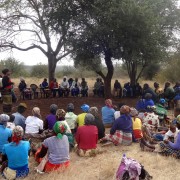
(117, 114)
(171, 134)
(33, 125)
(64, 84)
(70, 118)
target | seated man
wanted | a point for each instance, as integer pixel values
(127, 91)
(117, 91)
(45, 88)
(64, 88)
(53, 87)
(84, 88)
(97, 86)
(75, 87)
(25, 92)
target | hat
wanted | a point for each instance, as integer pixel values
(85, 107)
(125, 109)
(60, 129)
(23, 105)
(133, 112)
(4, 118)
(162, 101)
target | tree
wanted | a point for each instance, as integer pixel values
(40, 70)
(34, 19)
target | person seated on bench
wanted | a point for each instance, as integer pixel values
(84, 88)
(75, 87)
(64, 88)
(54, 87)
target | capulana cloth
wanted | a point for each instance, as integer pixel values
(108, 103)
(36, 111)
(60, 113)
(53, 107)
(4, 118)
(125, 109)
(60, 129)
(94, 111)
(133, 112)
(89, 119)
(85, 107)
(70, 107)
(17, 134)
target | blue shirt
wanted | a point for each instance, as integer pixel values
(107, 115)
(123, 123)
(19, 120)
(17, 154)
(5, 133)
(149, 102)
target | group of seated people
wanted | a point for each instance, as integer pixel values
(61, 131)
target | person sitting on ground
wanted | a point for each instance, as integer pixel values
(11, 124)
(64, 88)
(137, 124)
(87, 146)
(117, 91)
(81, 117)
(158, 90)
(147, 89)
(17, 154)
(54, 87)
(75, 88)
(5, 132)
(117, 113)
(148, 101)
(161, 111)
(34, 124)
(97, 86)
(19, 118)
(51, 118)
(108, 113)
(168, 93)
(44, 84)
(98, 122)
(121, 131)
(54, 150)
(84, 88)
(71, 118)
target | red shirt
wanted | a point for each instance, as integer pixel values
(87, 137)
(53, 85)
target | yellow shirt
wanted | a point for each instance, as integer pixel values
(137, 124)
(80, 119)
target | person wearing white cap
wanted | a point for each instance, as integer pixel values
(5, 133)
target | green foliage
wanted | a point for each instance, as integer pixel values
(16, 67)
(40, 70)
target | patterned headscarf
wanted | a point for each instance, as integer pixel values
(108, 103)
(36, 112)
(133, 112)
(60, 129)
(125, 109)
(17, 134)
(4, 118)
(94, 111)
(89, 119)
(60, 114)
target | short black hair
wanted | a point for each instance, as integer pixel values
(21, 109)
(11, 118)
(4, 71)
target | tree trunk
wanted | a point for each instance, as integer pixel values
(51, 67)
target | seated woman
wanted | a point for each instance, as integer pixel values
(87, 146)
(121, 131)
(84, 88)
(16, 153)
(5, 132)
(54, 150)
(54, 87)
(75, 88)
(137, 125)
(70, 118)
(108, 113)
(98, 122)
(64, 88)
(51, 118)
(148, 101)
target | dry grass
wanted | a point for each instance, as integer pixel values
(104, 166)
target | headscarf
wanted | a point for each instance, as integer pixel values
(17, 134)
(60, 129)
(148, 96)
(70, 107)
(89, 119)
(162, 101)
(85, 107)
(4, 118)
(53, 108)
(125, 109)
(151, 108)
(60, 114)
(133, 112)
(36, 112)
(94, 111)
(108, 103)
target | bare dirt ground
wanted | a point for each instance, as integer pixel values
(103, 166)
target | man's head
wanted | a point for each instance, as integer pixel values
(146, 86)
(172, 128)
(22, 108)
(6, 72)
(156, 85)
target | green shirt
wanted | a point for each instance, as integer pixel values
(161, 111)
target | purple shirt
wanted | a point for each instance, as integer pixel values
(175, 145)
(51, 120)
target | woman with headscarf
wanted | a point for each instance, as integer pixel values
(5, 133)
(87, 137)
(70, 117)
(34, 124)
(55, 150)
(121, 131)
(51, 118)
(148, 101)
(81, 117)
(16, 153)
(108, 113)
(98, 122)
(137, 124)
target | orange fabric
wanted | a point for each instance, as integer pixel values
(137, 134)
(52, 167)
